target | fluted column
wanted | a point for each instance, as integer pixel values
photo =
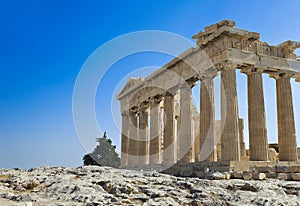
(230, 134)
(258, 141)
(196, 118)
(133, 140)
(285, 114)
(242, 137)
(177, 137)
(143, 135)
(185, 132)
(155, 132)
(169, 133)
(208, 142)
(124, 143)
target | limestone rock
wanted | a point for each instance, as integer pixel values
(249, 187)
(90, 185)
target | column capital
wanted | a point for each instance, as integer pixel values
(186, 85)
(208, 74)
(133, 109)
(156, 99)
(225, 66)
(252, 70)
(169, 94)
(192, 83)
(278, 75)
(143, 106)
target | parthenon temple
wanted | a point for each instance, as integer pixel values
(161, 126)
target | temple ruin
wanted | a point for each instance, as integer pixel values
(161, 126)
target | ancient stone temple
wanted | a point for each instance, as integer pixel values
(161, 126)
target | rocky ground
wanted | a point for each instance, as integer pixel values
(92, 185)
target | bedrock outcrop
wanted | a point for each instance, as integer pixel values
(93, 185)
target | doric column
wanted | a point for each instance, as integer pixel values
(124, 143)
(218, 131)
(229, 117)
(208, 142)
(155, 132)
(196, 118)
(258, 141)
(143, 134)
(177, 137)
(169, 134)
(242, 137)
(285, 114)
(185, 132)
(133, 140)
(177, 123)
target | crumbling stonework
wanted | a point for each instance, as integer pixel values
(221, 50)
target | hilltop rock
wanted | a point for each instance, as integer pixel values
(93, 185)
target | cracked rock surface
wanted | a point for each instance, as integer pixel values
(93, 185)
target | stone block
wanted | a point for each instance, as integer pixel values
(244, 158)
(221, 168)
(283, 169)
(296, 168)
(236, 175)
(218, 176)
(295, 176)
(247, 176)
(259, 176)
(282, 176)
(226, 175)
(265, 169)
(271, 175)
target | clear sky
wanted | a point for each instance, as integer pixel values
(44, 44)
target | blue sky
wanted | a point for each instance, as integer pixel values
(45, 43)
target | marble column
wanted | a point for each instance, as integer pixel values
(185, 132)
(208, 142)
(177, 137)
(124, 143)
(242, 137)
(155, 132)
(143, 135)
(258, 141)
(169, 132)
(196, 119)
(229, 117)
(285, 118)
(133, 140)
